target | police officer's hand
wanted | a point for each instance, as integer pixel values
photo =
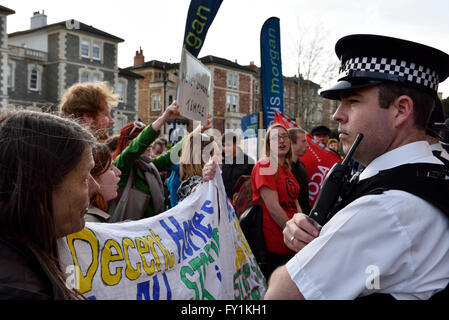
(299, 231)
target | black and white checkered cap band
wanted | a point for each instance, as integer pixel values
(411, 72)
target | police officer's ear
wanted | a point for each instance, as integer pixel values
(402, 110)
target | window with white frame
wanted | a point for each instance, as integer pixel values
(156, 103)
(90, 48)
(256, 87)
(96, 77)
(34, 80)
(121, 90)
(232, 80)
(96, 50)
(85, 48)
(84, 76)
(292, 92)
(232, 102)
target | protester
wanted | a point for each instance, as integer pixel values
(299, 147)
(276, 189)
(45, 173)
(129, 158)
(395, 241)
(321, 133)
(333, 144)
(89, 104)
(107, 176)
(158, 148)
(236, 163)
(196, 165)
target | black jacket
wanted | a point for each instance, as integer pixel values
(22, 276)
(231, 172)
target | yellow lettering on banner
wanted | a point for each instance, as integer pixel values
(130, 272)
(169, 257)
(197, 41)
(198, 26)
(199, 12)
(88, 236)
(142, 248)
(106, 257)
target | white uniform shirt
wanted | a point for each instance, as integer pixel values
(401, 236)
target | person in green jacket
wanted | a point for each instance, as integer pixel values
(134, 140)
(129, 158)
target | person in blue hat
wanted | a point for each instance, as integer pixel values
(389, 233)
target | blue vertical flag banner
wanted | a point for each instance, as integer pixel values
(271, 70)
(199, 18)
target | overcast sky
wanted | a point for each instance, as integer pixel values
(158, 25)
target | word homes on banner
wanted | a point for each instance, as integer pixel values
(194, 88)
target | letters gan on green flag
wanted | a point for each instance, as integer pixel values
(199, 18)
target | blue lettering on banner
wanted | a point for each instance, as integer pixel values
(184, 236)
(143, 289)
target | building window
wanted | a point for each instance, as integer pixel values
(84, 77)
(232, 102)
(256, 87)
(96, 78)
(10, 75)
(34, 80)
(233, 80)
(96, 50)
(121, 90)
(292, 93)
(85, 48)
(156, 103)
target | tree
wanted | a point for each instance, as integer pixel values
(315, 64)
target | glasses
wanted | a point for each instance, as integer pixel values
(283, 137)
(137, 125)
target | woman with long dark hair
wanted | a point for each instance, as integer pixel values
(45, 164)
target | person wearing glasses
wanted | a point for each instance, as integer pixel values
(276, 190)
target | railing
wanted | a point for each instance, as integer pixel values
(28, 53)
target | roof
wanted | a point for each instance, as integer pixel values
(127, 73)
(6, 10)
(156, 64)
(223, 62)
(82, 28)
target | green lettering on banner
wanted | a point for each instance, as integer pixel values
(203, 260)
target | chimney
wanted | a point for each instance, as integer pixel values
(38, 20)
(139, 58)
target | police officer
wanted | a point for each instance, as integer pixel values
(392, 242)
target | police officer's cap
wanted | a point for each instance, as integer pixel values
(320, 130)
(368, 60)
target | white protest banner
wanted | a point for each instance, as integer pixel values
(195, 250)
(194, 88)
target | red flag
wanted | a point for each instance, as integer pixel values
(318, 159)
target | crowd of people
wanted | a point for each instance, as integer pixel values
(58, 172)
